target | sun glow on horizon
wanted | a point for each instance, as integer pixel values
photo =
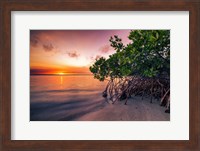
(60, 73)
(63, 52)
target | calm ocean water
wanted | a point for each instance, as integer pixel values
(64, 98)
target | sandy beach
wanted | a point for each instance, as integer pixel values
(136, 110)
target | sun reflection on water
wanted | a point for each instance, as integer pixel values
(61, 80)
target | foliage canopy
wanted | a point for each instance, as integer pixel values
(147, 55)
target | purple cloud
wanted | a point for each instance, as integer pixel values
(48, 47)
(73, 54)
(105, 49)
(34, 40)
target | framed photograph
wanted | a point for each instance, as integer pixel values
(93, 75)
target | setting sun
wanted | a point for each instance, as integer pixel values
(61, 73)
(63, 52)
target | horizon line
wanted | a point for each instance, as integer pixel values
(62, 74)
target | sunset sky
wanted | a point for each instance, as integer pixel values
(70, 51)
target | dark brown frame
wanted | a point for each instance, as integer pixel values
(193, 6)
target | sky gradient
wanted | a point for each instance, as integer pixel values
(70, 51)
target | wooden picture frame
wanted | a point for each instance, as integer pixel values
(193, 6)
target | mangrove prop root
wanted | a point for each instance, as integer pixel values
(119, 89)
